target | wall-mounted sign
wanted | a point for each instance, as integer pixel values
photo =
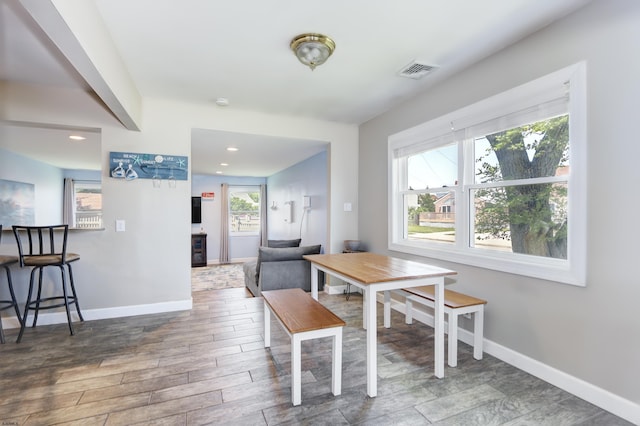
(208, 195)
(131, 165)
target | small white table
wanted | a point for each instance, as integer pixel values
(373, 273)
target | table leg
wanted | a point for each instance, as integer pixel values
(372, 360)
(439, 329)
(267, 326)
(314, 281)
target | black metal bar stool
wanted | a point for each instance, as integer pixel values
(5, 262)
(40, 247)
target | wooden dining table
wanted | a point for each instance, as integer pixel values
(375, 273)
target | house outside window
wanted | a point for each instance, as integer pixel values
(499, 184)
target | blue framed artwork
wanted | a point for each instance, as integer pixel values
(17, 203)
(131, 165)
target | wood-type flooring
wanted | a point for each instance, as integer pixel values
(209, 366)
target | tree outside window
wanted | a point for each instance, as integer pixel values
(533, 216)
(244, 210)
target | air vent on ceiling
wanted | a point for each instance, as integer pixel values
(416, 70)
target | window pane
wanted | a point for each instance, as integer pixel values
(431, 216)
(88, 197)
(244, 212)
(540, 149)
(436, 168)
(526, 219)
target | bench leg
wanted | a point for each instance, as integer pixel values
(267, 326)
(478, 325)
(408, 311)
(336, 375)
(387, 309)
(296, 370)
(453, 339)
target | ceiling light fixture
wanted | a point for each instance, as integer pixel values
(77, 138)
(232, 149)
(312, 49)
(223, 102)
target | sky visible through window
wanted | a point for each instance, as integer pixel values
(438, 168)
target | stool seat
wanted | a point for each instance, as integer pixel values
(7, 260)
(40, 247)
(49, 259)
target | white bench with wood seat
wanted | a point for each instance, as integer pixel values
(303, 318)
(454, 304)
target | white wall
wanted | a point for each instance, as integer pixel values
(590, 334)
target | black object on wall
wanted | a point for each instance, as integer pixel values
(196, 209)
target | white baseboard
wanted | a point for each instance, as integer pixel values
(334, 289)
(49, 318)
(604, 399)
(340, 289)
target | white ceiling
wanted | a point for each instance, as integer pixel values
(199, 50)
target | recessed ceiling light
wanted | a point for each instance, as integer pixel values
(232, 149)
(77, 137)
(219, 172)
(223, 102)
(224, 164)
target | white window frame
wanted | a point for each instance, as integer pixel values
(441, 130)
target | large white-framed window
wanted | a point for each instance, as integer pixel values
(244, 210)
(500, 184)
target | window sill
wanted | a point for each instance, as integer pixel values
(555, 270)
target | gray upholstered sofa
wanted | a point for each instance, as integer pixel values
(280, 267)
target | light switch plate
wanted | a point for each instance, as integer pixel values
(120, 225)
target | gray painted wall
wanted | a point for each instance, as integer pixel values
(591, 333)
(308, 178)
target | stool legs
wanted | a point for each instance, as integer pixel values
(26, 308)
(34, 305)
(9, 303)
(73, 293)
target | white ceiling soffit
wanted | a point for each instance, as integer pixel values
(257, 155)
(51, 144)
